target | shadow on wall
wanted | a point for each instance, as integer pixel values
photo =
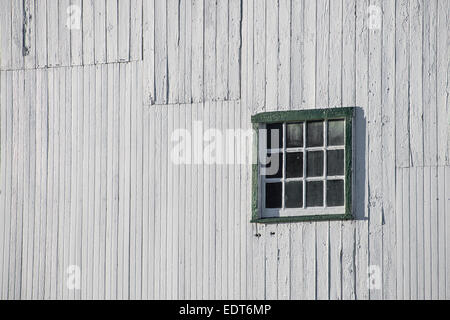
(359, 165)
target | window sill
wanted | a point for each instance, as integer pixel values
(278, 220)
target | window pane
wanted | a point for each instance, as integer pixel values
(294, 132)
(314, 165)
(335, 162)
(294, 165)
(274, 166)
(294, 194)
(273, 130)
(273, 195)
(336, 133)
(314, 134)
(335, 193)
(314, 194)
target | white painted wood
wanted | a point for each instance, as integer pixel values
(123, 22)
(5, 36)
(29, 34)
(87, 178)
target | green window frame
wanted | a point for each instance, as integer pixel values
(302, 117)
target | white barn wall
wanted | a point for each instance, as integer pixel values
(86, 122)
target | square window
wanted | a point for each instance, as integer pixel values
(314, 134)
(314, 194)
(335, 162)
(275, 136)
(314, 164)
(294, 194)
(305, 173)
(294, 132)
(336, 133)
(335, 193)
(273, 195)
(294, 165)
(274, 165)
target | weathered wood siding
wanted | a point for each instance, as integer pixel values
(86, 176)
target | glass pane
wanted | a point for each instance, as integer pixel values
(335, 162)
(314, 165)
(314, 134)
(273, 195)
(275, 130)
(314, 194)
(274, 166)
(336, 132)
(335, 193)
(294, 165)
(294, 132)
(294, 194)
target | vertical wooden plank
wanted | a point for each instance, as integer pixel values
(361, 193)
(112, 29)
(442, 57)
(271, 262)
(335, 99)
(222, 44)
(7, 117)
(296, 269)
(296, 52)
(146, 210)
(182, 51)
(161, 61)
(50, 186)
(164, 202)
(133, 179)
(52, 33)
(68, 199)
(429, 83)
(3, 139)
(136, 30)
(271, 54)
(447, 234)
(434, 235)
(415, 65)
(6, 35)
(413, 232)
(124, 29)
(63, 33)
(17, 61)
(441, 232)
(420, 234)
(100, 44)
(173, 39)
(61, 212)
(388, 147)
(399, 228)
(374, 153)
(76, 32)
(259, 62)
(284, 262)
(348, 99)
(406, 216)
(188, 62)
(234, 49)
(210, 43)
(170, 211)
(56, 186)
(198, 27)
(103, 185)
(88, 32)
(402, 74)
(41, 33)
(149, 51)
(28, 206)
(29, 34)
(427, 231)
(96, 141)
(284, 55)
